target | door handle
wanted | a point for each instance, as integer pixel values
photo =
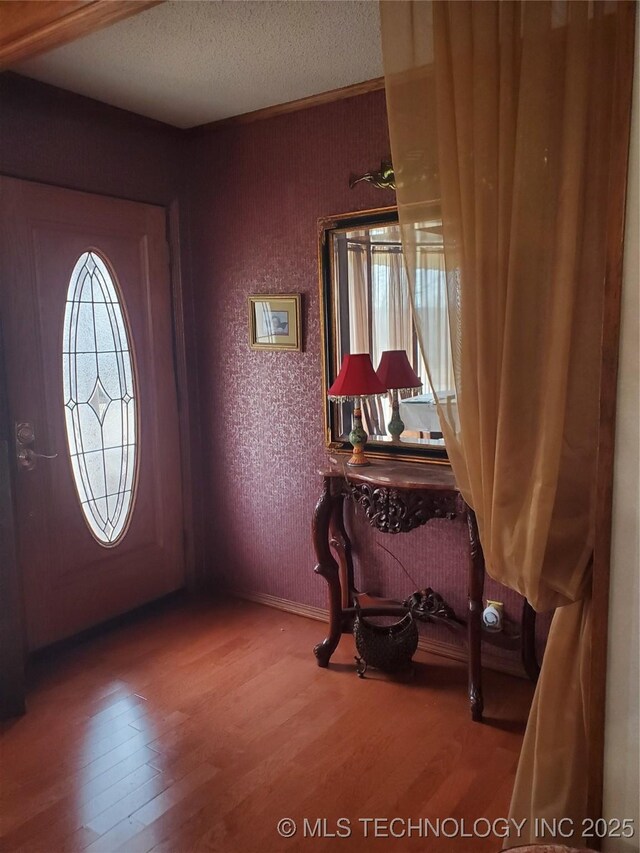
(27, 457)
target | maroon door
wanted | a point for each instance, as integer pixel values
(86, 309)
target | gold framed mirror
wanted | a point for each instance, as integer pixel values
(366, 306)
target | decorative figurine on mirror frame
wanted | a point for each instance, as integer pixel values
(384, 178)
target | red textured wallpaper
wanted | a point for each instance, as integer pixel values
(256, 193)
(60, 138)
(253, 196)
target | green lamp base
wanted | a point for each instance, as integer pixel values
(396, 424)
(358, 438)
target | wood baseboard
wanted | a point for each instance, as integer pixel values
(425, 644)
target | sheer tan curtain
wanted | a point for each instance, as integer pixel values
(502, 111)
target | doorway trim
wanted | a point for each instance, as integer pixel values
(186, 375)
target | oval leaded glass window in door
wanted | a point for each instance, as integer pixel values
(99, 398)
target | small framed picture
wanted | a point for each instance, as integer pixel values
(274, 321)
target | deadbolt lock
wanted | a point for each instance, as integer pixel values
(25, 437)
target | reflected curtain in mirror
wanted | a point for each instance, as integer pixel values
(376, 256)
(369, 308)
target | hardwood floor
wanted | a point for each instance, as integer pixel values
(197, 727)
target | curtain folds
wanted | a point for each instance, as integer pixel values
(357, 262)
(391, 314)
(500, 114)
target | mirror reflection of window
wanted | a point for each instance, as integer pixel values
(374, 313)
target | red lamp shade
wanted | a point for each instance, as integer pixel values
(357, 378)
(394, 370)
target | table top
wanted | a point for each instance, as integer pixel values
(399, 475)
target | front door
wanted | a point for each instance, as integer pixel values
(86, 311)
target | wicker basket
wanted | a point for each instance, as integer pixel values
(385, 647)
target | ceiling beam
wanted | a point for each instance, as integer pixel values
(31, 27)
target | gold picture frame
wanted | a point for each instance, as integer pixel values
(274, 321)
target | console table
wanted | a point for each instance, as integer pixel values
(397, 497)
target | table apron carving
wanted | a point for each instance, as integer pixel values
(391, 510)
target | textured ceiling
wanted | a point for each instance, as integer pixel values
(188, 63)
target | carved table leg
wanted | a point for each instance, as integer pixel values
(341, 542)
(328, 568)
(474, 625)
(528, 640)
